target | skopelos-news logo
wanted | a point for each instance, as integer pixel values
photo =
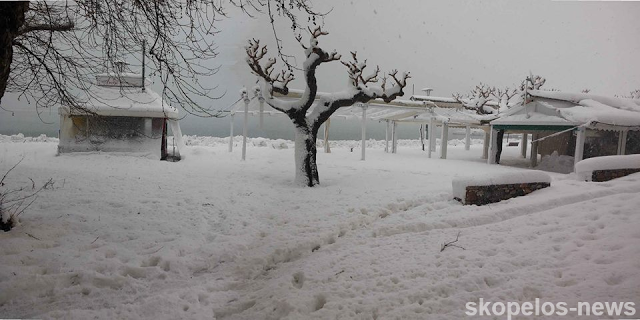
(539, 308)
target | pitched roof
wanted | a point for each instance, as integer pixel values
(560, 108)
(126, 101)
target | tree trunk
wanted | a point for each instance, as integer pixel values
(11, 19)
(305, 153)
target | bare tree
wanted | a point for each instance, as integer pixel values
(310, 111)
(478, 99)
(532, 82)
(506, 98)
(635, 94)
(49, 51)
(484, 99)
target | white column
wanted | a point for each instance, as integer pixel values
(432, 137)
(148, 127)
(327, 124)
(622, 142)
(485, 145)
(467, 138)
(422, 134)
(524, 143)
(233, 115)
(493, 146)
(364, 130)
(394, 137)
(245, 125)
(444, 140)
(580, 137)
(386, 137)
(177, 134)
(261, 101)
(534, 150)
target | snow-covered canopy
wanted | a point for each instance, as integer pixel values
(559, 108)
(124, 101)
(442, 109)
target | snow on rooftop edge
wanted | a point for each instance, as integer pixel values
(126, 102)
(619, 103)
(594, 111)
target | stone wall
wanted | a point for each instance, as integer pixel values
(606, 175)
(481, 195)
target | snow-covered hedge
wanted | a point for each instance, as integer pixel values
(585, 168)
(482, 189)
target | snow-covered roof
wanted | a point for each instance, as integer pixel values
(615, 102)
(417, 97)
(559, 108)
(125, 102)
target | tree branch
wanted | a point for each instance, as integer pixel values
(68, 26)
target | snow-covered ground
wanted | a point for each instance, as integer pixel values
(121, 237)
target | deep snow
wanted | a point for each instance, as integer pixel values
(121, 237)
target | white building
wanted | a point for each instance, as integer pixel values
(122, 115)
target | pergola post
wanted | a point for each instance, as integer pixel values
(493, 146)
(581, 134)
(534, 149)
(327, 124)
(444, 140)
(394, 138)
(467, 137)
(245, 125)
(432, 138)
(523, 147)
(386, 137)
(261, 102)
(485, 145)
(364, 129)
(422, 134)
(622, 142)
(233, 115)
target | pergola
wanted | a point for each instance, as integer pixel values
(424, 110)
(563, 113)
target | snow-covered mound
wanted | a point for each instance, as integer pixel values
(556, 163)
(585, 168)
(460, 184)
(280, 143)
(21, 138)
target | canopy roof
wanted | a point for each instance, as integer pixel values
(561, 109)
(124, 101)
(447, 110)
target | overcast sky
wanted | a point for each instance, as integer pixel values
(452, 45)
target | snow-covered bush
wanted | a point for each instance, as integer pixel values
(14, 201)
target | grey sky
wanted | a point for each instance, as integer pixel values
(447, 45)
(452, 45)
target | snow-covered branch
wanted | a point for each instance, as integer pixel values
(362, 89)
(506, 98)
(532, 83)
(278, 83)
(477, 99)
